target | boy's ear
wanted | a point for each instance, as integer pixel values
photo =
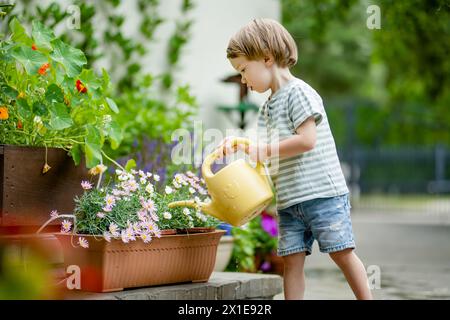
(269, 60)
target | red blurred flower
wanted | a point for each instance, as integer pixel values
(33, 47)
(80, 87)
(43, 69)
(19, 124)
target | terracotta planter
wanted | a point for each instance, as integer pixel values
(167, 232)
(27, 195)
(113, 266)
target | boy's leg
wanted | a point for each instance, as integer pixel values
(294, 277)
(354, 272)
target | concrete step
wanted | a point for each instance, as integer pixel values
(221, 286)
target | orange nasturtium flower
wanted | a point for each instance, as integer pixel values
(80, 86)
(33, 47)
(4, 113)
(43, 69)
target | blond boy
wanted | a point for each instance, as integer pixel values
(312, 195)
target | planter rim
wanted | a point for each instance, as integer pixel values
(100, 237)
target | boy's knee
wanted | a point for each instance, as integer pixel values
(341, 256)
(294, 260)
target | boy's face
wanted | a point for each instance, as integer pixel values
(255, 73)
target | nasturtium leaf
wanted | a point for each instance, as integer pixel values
(40, 109)
(75, 153)
(60, 118)
(130, 165)
(112, 105)
(31, 60)
(105, 79)
(92, 146)
(19, 33)
(90, 79)
(71, 58)
(115, 134)
(42, 35)
(54, 94)
(23, 108)
(9, 91)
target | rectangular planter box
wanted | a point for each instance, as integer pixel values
(113, 266)
(26, 194)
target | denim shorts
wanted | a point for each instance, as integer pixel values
(326, 220)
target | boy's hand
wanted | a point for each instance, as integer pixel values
(227, 149)
(256, 152)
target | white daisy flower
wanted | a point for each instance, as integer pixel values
(150, 189)
(168, 190)
(113, 229)
(167, 215)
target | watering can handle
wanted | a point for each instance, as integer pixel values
(209, 160)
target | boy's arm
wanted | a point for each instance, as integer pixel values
(303, 141)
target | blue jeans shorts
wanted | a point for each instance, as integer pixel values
(326, 220)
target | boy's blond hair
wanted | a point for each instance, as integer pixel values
(262, 37)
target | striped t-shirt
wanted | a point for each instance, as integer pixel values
(310, 175)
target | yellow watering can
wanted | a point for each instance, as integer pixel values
(238, 192)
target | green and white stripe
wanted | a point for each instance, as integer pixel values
(313, 174)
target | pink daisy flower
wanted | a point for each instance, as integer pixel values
(83, 242)
(54, 213)
(107, 236)
(86, 185)
(110, 201)
(146, 237)
(66, 225)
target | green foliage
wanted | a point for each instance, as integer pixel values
(249, 242)
(46, 102)
(140, 110)
(395, 79)
(143, 115)
(177, 41)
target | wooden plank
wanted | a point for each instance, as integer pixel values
(28, 194)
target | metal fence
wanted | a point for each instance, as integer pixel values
(398, 179)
